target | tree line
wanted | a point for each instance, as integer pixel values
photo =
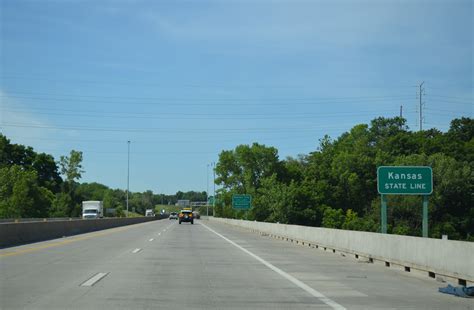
(34, 185)
(335, 186)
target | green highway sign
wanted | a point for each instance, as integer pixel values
(404, 180)
(241, 202)
(210, 200)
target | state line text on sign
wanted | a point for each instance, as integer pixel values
(405, 180)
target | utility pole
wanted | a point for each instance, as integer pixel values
(128, 172)
(214, 181)
(420, 92)
(207, 191)
(401, 116)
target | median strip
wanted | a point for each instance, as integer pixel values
(42, 245)
(95, 279)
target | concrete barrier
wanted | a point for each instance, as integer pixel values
(12, 234)
(436, 257)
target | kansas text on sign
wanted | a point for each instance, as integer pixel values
(405, 180)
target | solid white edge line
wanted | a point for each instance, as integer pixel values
(136, 251)
(287, 276)
(95, 279)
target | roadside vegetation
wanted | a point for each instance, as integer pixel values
(336, 185)
(34, 185)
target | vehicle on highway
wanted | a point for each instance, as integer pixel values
(149, 212)
(173, 216)
(186, 216)
(92, 209)
(196, 215)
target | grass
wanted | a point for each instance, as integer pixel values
(168, 209)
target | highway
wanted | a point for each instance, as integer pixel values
(208, 265)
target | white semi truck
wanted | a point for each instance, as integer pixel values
(93, 209)
(149, 212)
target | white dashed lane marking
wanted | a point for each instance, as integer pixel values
(96, 278)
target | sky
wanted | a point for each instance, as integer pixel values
(184, 80)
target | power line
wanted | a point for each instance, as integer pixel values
(452, 97)
(174, 130)
(204, 99)
(199, 102)
(190, 116)
(190, 85)
(443, 110)
(154, 141)
(450, 101)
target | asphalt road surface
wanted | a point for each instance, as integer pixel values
(163, 265)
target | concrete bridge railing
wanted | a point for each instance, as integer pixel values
(434, 257)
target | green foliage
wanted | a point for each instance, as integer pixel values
(31, 186)
(334, 186)
(21, 195)
(71, 166)
(341, 173)
(333, 218)
(119, 212)
(191, 195)
(244, 168)
(62, 205)
(44, 164)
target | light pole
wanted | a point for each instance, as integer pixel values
(207, 192)
(214, 196)
(128, 172)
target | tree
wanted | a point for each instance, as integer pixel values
(47, 169)
(62, 205)
(71, 166)
(15, 154)
(245, 167)
(44, 164)
(90, 191)
(21, 195)
(333, 218)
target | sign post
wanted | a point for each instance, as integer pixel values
(383, 214)
(404, 180)
(425, 216)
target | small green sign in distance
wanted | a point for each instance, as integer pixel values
(241, 202)
(210, 200)
(404, 180)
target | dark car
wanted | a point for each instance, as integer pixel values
(173, 216)
(186, 216)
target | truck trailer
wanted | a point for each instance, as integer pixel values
(93, 209)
